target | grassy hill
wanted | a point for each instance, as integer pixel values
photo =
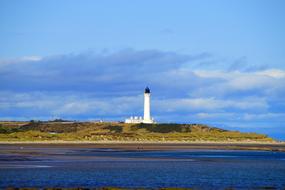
(90, 131)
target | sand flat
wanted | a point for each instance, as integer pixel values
(149, 145)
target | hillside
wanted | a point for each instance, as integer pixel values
(90, 131)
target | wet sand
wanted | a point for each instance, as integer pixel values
(150, 146)
(26, 152)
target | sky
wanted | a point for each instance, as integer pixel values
(216, 62)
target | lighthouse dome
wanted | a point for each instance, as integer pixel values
(147, 90)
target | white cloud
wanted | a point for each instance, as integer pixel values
(215, 74)
(248, 82)
(275, 73)
(31, 58)
(210, 104)
(68, 104)
(236, 83)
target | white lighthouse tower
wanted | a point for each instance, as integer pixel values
(146, 114)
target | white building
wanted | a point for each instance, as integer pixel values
(146, 116)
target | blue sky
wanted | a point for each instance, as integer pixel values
(214, 62)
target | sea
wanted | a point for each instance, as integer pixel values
(51, 167)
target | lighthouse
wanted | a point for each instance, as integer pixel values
(146, 112)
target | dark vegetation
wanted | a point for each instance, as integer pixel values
(114, 128)
(180, 128)
(50, 127)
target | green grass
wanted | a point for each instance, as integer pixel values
(87, 131)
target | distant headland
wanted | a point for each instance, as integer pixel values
(61, 130)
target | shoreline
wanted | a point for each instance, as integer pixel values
(139, 142)
(134, 145)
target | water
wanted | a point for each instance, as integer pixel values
(86, 167)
